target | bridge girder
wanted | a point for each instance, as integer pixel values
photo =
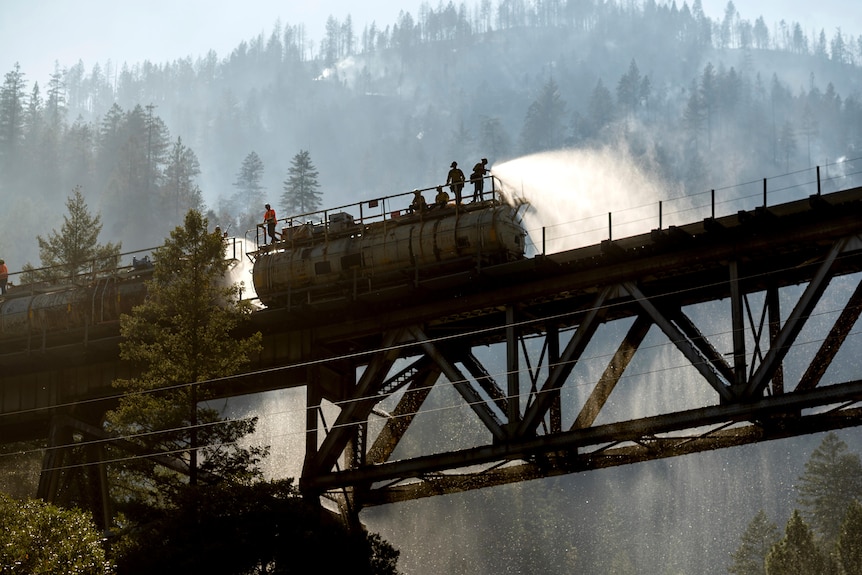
(523, 435)
(568, 330)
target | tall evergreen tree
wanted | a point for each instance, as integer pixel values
(694, 117)
(797, 552)
(600, 111)
(249, 191)
(545, 122)
(301, 194)
(74, 250)
(832, 479)
(629, 89)
(180, 191)
(130, 166)
(848, 547)
(181, 336)
(758, 538)
(157, 148)
(12, 107)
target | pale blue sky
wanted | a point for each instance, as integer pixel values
(36, 33)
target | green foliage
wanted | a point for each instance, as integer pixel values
(20, 464)
(797, 552)
(12, 128)
(74, 250)
(301, 194)
(262, 528)
(183, 334)
(179, 192)
(832, 480)
(750, 558)
(848, 547)
(36, 537)
(249, 190)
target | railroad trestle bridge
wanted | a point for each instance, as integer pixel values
(532, 368)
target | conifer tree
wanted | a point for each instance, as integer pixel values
(832, 479)
(848, 547)
(545, 121)
(600, 109)
(797, 552)
(180, 190)
(750, 558)
(301, 193)
(74, 250)
(629, 89)
(12, 108)
(183, 335)
(249, 191)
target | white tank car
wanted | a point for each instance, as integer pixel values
(343, 257)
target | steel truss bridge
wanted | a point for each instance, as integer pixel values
(533, 369)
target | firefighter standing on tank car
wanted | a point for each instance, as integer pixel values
(269, 219)
(478, 179)
(455, 181)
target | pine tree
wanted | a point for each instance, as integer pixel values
(182, 335)
(12, 108)
(301, 194)
(848, 547)
(628, 89)
(74, 250)
(797, 552)
(832, 479)
(694, 117)
(545, 120)
(600, 109)
(750, 558)
(180, 191)
(249, 191)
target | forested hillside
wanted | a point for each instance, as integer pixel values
(696, 102)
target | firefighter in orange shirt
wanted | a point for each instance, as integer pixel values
(4, 276)
(269, 219)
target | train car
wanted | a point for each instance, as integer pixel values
(41, 315)
(344, 256)
(329, 256)
(34, 316)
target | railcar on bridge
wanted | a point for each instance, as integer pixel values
(365, 252)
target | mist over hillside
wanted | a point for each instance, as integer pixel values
(684, 102)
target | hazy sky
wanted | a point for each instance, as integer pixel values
(36, 33)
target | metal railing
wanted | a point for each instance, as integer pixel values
(713, 203)
(364, 212)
